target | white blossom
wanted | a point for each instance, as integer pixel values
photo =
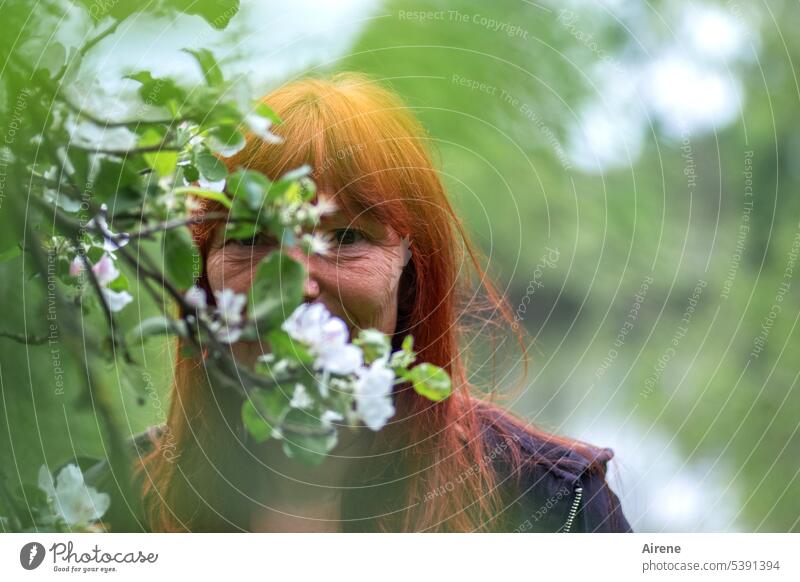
(339, 359)
(325, 206)
(327, 337)
(260, 126)
(216, 186)
(195, 297)
(226, 333)
(116, 300)
(73, 500)
(301, 398)
(230, 305)
(330, 416)
(76, 266)
(224, 149)
(373, 394)
(115, 241)
(61, 200)
(305, 323)
(316, 244)
(105, 271)
(314, 212)
(229, 310)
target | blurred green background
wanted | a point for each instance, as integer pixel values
(629, 170)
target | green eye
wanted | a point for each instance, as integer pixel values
(347, 236)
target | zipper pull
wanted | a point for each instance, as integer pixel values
(573, 510)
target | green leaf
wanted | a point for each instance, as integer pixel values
(430, 381)
(373, 343)
(404, 357)
(249, 186)
(307, 448)
(282, 346)
(95, 253)
(287, 191)
(301, 172)
(117, 183)
(209, 194)
(191, 173)
(226, 139)
(208, 64)
(120, 283)
(162, 161)
(276, 291)
(217, 13)
(204, 106)
(179, 252)
(262, 409)
(210, 166)
(10, 253)
(159, 91)
(240, 230)
(265, 110)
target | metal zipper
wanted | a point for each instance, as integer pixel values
(573, 510)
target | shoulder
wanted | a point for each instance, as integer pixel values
(550, 483)
(125, 512)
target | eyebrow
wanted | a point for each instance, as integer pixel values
(363, 220)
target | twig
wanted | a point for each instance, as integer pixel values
(86, 48)
(163, 146)
(200, 219)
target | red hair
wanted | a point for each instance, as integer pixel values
(369, 152)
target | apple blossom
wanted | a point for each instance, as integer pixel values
(373, 394)
(74, 501)
(260, 126)
(116, 300)
(327, 338)
(105, 271)
(195, 297)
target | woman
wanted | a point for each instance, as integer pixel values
(399, 265)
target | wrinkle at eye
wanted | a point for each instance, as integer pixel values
(243, 254)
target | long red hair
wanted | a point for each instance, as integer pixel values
(368, 150)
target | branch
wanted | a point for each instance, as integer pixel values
(163, 146)
(86, 48)
(115, 338)
(94, 387)
(108, 123)
(177, 223)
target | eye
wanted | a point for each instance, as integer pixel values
(347, 236)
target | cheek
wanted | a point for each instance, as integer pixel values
(228, 271)
(366, 291)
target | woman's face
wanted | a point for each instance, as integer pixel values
(357, 280)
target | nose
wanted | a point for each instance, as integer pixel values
(311, 289)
